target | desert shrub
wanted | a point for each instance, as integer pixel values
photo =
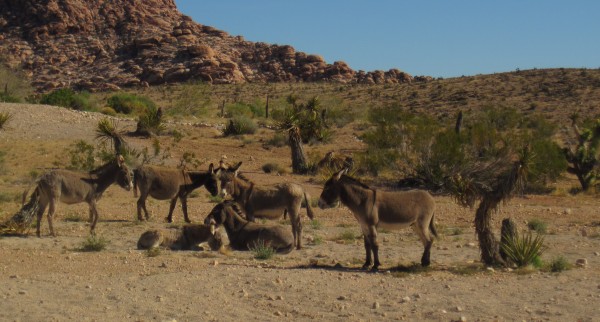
(194, 100)
(5, 117)
(278, 140)
(262, 250)
(559, 264)
(9, 98)
(538, 226)
(153, 251)
(317, 240)
(272, 167)
(238, 109)
(68, 98)
(524, 249)
(315, 224)
(14, 85)
(107, 110)
(81, 156)
(126, 103)
(240, 125)
(93, 244)
(215, 199)
(60, 97)
(6, 197)
(347, 236)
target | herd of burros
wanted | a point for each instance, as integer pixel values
(244, 201)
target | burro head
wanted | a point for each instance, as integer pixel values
(330, 197)
(213, 182)
(124, 174)
(227, 178)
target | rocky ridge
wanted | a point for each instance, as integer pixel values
(110, 44)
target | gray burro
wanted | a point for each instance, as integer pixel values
(386, 209)
(245, 235)
(270, 202)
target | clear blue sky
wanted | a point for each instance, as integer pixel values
(444, 38)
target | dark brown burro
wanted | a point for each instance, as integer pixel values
(245, 235)
(73, 187)
(270, 202)
(163, 184)
(386, 209)
(188, 237)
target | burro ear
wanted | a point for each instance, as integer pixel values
(236, 168)
(211, 168)
(340, 173)
(120, 160)
(213, 229)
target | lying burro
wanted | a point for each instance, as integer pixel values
(188, 237)
(244, 234)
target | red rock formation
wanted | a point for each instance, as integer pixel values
(107, 44)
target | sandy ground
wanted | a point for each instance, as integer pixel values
(47, 279)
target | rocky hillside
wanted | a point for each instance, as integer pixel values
(108, 44)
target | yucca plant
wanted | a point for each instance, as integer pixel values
(262, 250)
(523, 249)
(4, 118)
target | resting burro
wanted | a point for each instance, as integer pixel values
(243, 234)
(163, 184)
(188, 237)
(386, 209)
(269, 202)
(73, 187)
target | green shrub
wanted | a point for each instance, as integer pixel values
(238, 109)
(273, 168)
(523, 249)
(126, 103)
(81, 156)
(107, 110)
(93, 244)
(8, 98)
(537, 225)
(316, 224)
(60, 97)
(240, 125)
(153, 251)
(278, 140)
(559, 264)
(68, 98)
(262, 250)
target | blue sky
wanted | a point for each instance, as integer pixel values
(444, 38)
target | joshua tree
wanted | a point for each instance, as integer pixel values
(583, 157)
(491, 183)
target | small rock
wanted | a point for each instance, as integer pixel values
(567, 211)
(470, 245)
(597, 253)
(163, 265)
(490, 269)
(14, 276)
(584, 232)
(279, 297)
(463, 318)
(405, 299)
(459, 309)
(444, 311)
(376, 305)
(342, 298)
(88, 286)
(582, 262)
(22, 292)
(278, 313)
(215, 263)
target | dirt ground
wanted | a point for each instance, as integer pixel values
(50, 279)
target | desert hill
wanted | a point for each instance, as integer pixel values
(106, 45)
